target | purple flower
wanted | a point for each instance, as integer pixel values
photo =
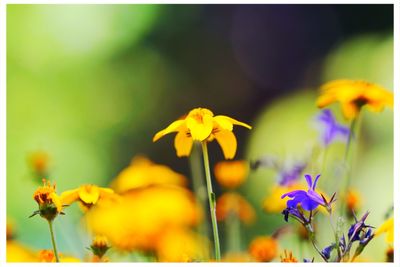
(327, 250)
(359, 230)
(331, 128)
(308, 200)
(288, 176)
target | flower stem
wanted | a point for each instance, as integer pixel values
(347, 173)
(211, 200)
(53, 242)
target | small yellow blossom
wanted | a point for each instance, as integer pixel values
(231, 174)
(87, 195)
(49, 202)
(201, 125)
(353, 95)
(17, 252)
(48, 256)
(99, 246)
(233, 203)
(182, 245)
(288, 257)
(264, 248)
(388, 228)
(142, 215)
(143, 172)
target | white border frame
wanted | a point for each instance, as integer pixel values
(3, 108)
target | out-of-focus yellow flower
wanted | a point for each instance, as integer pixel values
(49, 202)
(353, 201)
(264, 248)
(16, 252)
(237, 257)
(143, 172)
(182, 245)
(231, 174)
(274, 203)
(233, 203)
(39, 162)
(87, 195)
(353, 95)
(201, 125)
(48, 256)
(388, 228)
(142, 215)
(288, 257)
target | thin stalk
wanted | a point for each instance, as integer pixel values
(336, 236)
(199, 186)
(347, 173)
(233, 233)
(53, 242)
(211, 200)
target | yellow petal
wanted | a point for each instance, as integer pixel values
(69, 196)
(173, 127)
(57, 201)
(350, 110)
(227, 141)
(226, 122)
(183, 144)
(388, 228)
(200, 127)
(89, 194)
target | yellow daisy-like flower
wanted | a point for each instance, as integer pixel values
(201, 125)
(231, 174)
(274, 203)
(87, 195)
(143, 172)
(388, 228)
(264, 248)
(353, 95)
(288, 257)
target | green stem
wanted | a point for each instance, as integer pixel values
(347, 172)
(233, 233)
(53, 242)
(199, 186)
(339, 254)
(211, 200)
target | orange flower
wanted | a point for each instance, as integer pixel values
(39, 162)
(48, 256)
(264, 248)
(288, 257)
(233, 203)
(231, 174)
(201, 125)
(49, 202)
(99, 246)
(143, 172)
(353, 201)
(353, 95)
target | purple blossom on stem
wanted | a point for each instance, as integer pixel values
(308, 200)
(289, 176)
(331, 129)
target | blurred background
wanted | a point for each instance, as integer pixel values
(91, 84)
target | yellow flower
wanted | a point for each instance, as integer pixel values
(388, 228)
(49, 202)
(201, 125)
(16, 252)
(143, 172)
(48, 256)
(353, 95)
(87, 195)
(231, 174)
(233, 203)
(182, 245)
(288, 257)
(142, 215)
(264, 248)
